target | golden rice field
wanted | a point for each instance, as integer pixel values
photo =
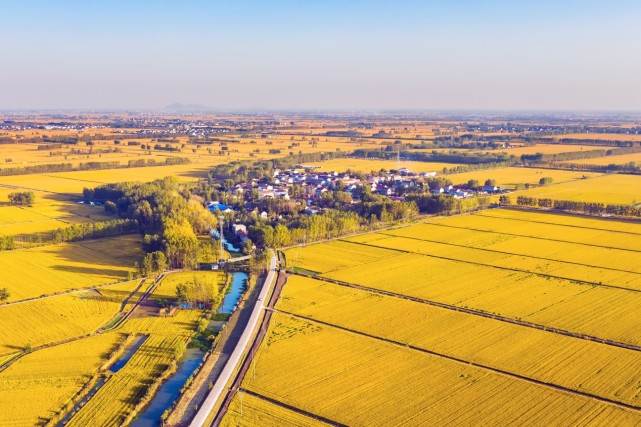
(47, 214)
(364, 381)
(343, 357)
(581, 365)
(601, 136)
(534, 220)
(167, 288)
(259, 412)
(118, 396)
(332, 256)
(202, 156)
(520, 150)
(29, 273)
(622, 159)
(513, 176)
(607, 189)
(38, 385)
(368, 165)
(512, 294)
(60, 317)
(57, 373)
(541, 260)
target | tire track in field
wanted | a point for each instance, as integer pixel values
(480, 313)
(469, 363)
(517, 270)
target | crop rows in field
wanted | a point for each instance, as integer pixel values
(119, 395)
(576, 364)
(356, 380)
(113, 402)
(608, 189)
(30, 273)
(483, 292)
(59, 317)
(257, 411)
(39, 384)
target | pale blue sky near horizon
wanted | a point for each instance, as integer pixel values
(366, 55)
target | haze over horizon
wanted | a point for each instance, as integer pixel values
(287, 55)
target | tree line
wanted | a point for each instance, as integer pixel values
(94, 230)
(69, 167)
(589, 208)
(167, 214)
(22, 198)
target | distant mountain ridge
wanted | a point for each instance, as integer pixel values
(178, 107)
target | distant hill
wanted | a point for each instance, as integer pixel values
(186, 108)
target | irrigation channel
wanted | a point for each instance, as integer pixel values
(170, 390)
(129, 351)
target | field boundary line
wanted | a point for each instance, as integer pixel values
(467, 362)
(292, 408)
(551, 212)
(535, 237)
(70, 291)
(480, 313)
(577, 281)
(98, 331)
(506, 253)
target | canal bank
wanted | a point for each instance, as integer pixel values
(189, 402)
(191, 362)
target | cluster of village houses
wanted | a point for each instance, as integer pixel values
(314, 184)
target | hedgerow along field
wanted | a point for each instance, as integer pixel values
(609, 189)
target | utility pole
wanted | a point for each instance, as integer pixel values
(220, 223)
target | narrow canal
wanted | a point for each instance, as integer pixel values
(170, 389)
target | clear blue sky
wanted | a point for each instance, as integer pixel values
(235, 54)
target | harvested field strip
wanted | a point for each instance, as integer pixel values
(580, 365)
(365, 381)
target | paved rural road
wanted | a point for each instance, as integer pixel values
(235, 358)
